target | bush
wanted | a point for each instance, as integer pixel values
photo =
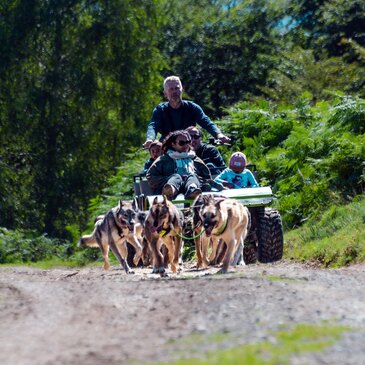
(26, 247)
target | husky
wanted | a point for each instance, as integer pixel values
(163, 226)
(221, 219)
(112, 231)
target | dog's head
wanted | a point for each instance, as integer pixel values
(160, 215)
(209, 213)
(126, 215)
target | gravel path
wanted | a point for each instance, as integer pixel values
(87, 316)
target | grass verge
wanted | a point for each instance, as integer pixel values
(336, 239)
(284, 345)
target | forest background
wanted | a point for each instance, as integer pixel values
(80, 78)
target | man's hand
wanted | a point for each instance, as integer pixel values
(222, 138)
(147, 144)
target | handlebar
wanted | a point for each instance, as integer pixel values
(217, 142)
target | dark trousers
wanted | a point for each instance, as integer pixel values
(182, 183)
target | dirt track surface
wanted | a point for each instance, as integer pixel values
(87, 316)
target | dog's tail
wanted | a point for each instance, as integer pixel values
(88, 240)
(99, 218)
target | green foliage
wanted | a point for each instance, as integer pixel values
(224, 53)
(78, 81)
(119, 186)
(335, 238)
(25, 247)
(300, 69)
(70, 101)
(312, 156)
(28, 247)
(349, 114)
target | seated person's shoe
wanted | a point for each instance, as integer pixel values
(192, 193)
(169, 191)
(205, 186)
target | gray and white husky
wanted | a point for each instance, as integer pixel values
(113, 230)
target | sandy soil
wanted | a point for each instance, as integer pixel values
(87, 316)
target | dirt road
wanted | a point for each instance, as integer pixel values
(87, 316)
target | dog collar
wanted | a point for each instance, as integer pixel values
(222, 229)
(163, 232)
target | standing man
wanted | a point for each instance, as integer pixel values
(178, 114)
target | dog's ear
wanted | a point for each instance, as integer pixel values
(218, 202)
(164, 199)
(155, 201)
(210, 199)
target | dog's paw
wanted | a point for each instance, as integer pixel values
(222, 271)
(158, 270)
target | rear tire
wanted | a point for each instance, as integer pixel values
(249, 253)
(270, 236)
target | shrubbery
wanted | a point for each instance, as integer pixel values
(312, 156)
(17, 247)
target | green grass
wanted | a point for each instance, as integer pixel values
(303, 338)
(336, 239)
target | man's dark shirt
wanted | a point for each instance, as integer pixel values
(210, 154)
(166, 119)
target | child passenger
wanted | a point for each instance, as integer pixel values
(155, 150)
(236, 176)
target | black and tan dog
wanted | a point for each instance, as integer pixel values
(163, 226)
(221, 219)
(112, 231)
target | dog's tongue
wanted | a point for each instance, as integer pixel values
(153, 229)
(208, 231)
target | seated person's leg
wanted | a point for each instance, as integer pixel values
(192, 187)
(173, 186)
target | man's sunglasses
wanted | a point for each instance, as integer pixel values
(183, 143)
(195, 136)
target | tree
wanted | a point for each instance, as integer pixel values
(225, 54)
(71, 96)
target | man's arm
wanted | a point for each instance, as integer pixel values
(153, 127)
(204, 121)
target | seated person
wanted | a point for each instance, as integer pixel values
(208, 153)
(178, 169)
(155, 150)
(237, 176)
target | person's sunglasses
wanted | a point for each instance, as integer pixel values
(195, 136)
(183, 143)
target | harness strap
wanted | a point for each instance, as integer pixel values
(222, 229)
(164, 232)
(225, 224)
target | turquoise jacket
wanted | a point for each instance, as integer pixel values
(242, 180)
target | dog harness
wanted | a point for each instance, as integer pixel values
(224, 226)
(164, 232)
(222, 229)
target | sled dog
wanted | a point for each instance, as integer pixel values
(163, 226)
(221, 219)
(112, 231)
